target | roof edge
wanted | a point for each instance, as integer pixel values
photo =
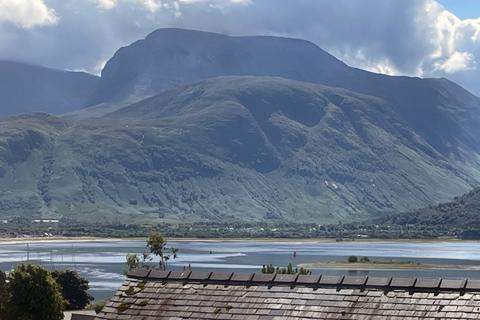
(314, 280)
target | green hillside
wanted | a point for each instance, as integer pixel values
(234, 148)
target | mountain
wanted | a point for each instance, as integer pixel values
(462, 212)
(169, 58)
(244, 148)
(437, 109)
(26, 88)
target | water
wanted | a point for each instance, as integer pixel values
(102, 262)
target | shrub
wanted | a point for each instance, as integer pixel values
(352, 259)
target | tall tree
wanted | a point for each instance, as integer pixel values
(158, 246)
(34, 295)
(74, 289)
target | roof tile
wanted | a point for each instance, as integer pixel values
(242, 277)
(138, 273)
(308, 279)
(179, 275)
(452, 284)
(330, 280)
(159, 274)
(354, 281)
(199, 275)
(473, 285)
(221, 276)
(378, 281)
(402, 282)
(427, 283)
(261, 277)
(286, 278)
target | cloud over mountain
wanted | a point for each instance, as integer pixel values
(412, 37)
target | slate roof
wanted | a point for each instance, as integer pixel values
(149, 295)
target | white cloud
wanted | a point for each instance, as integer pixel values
(455, 42)
(106, 4)
(150, 5)
(173, 5)
(458, 61)
(27, 13)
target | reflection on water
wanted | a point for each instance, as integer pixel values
(102, 262)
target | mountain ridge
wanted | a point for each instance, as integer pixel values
(224, 149)
(306, 137)
(28, 88)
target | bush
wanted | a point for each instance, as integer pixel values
(269, 269)
(352, 259)
(365, 259)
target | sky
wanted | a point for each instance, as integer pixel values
(425, 38)
(464, 9)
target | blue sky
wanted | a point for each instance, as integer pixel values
(464, 9)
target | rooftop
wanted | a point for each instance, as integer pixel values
(218, 295)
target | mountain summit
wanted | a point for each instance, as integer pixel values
(169, 58)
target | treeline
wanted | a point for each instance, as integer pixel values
(398, 228)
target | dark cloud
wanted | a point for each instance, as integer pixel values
(414, 37)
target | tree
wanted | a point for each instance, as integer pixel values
(353, 259)
(34, 295)
(3, 293)
(74, 289)
(269, 269)
(158, 246)
(132, 261)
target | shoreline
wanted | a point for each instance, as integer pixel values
(266, 240)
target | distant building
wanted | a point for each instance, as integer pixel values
(46, 221)
(198, 294)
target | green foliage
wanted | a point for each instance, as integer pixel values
(364, 259)
(289, 269)
(122, 307)
(157, 245)
(130, 291)
(268, 269)
(34, 295)
(132, 261)
(352, 259)
(3, 293)
(74, 289)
